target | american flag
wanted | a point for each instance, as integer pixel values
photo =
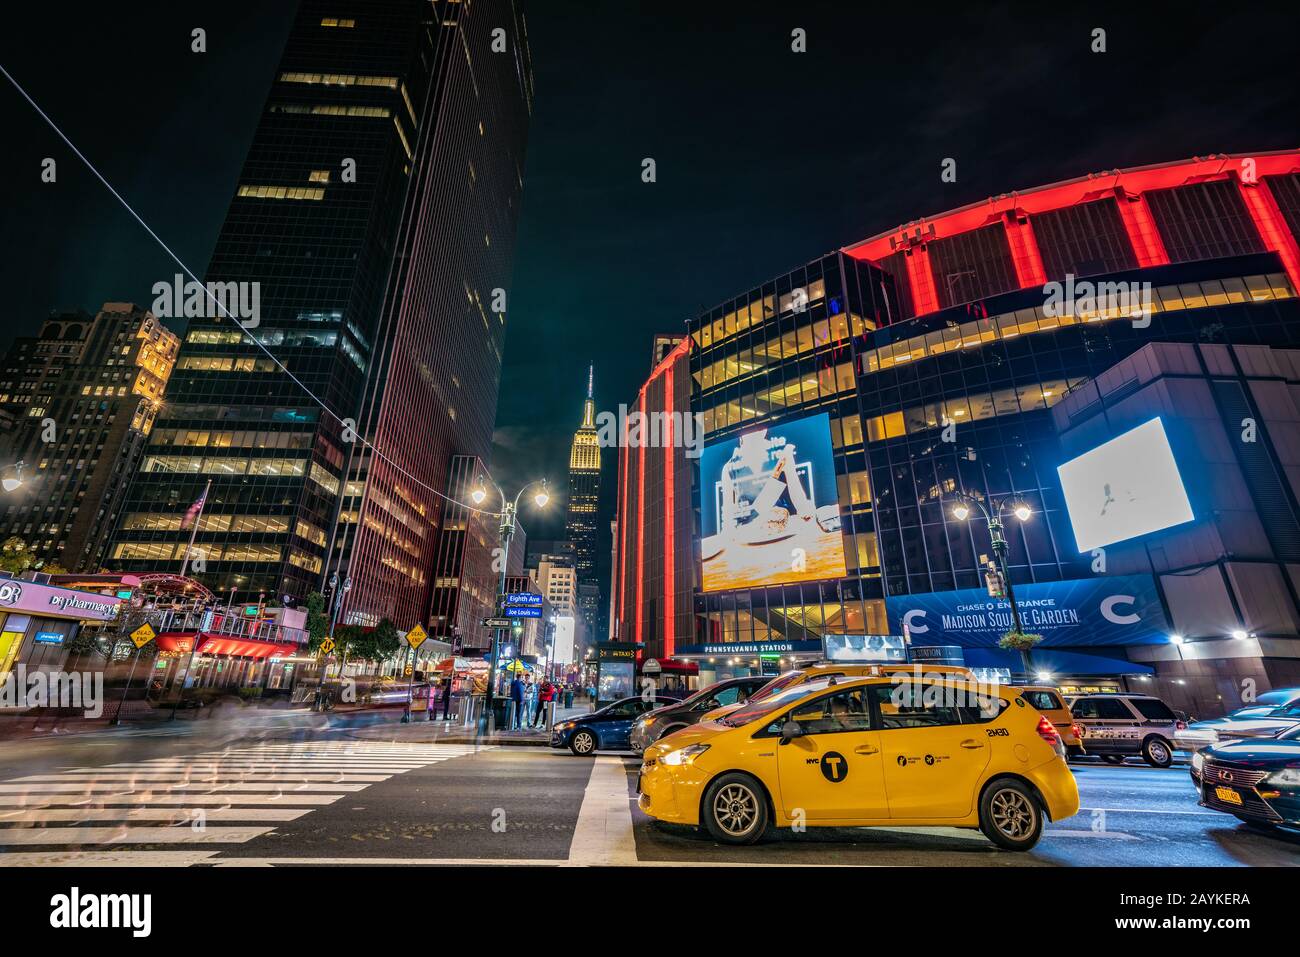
(192, 513)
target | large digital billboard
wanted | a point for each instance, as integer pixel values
(769, 508)
(1124, 488)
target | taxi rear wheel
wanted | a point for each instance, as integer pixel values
(1010, 815)
(735, 809)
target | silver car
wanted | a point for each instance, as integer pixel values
(1117, 726)
(1267, 716)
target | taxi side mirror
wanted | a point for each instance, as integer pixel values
(789, 731)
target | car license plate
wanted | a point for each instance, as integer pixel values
(1227, 795)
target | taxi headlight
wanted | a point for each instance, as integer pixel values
(684, 755)
(1287, 778)
(1198, 761)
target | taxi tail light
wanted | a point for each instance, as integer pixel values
(1046, 731)
(1076, 730)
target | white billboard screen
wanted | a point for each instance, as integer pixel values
(1124, 488)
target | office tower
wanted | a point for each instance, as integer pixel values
(584, 496)
(371, 232)
(82, 396)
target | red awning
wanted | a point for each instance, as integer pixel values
(181, 641)
(683, 667)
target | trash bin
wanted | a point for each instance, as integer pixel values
(568, 698)
(501, 713)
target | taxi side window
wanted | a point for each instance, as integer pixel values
(837, 713)
(1042, 700)
(905, 704)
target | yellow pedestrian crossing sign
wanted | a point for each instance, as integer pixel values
(143, 635)
(327, 646)
(416, 636)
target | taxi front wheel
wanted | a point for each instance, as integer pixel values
(735, 809)
(1010, 815)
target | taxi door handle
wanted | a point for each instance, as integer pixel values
(865, 749)
(971, 744)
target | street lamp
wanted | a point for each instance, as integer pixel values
(961, 511)
(13, 479)
(507, 531)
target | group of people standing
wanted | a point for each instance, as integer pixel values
(530, 698)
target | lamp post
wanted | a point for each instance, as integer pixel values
(336, 602)
(993, 519)
(507, 532)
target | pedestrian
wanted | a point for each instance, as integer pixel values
(517, 701)
(446, 696)
(530, 697)
(545, 695)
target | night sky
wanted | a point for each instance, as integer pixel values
(765, 158)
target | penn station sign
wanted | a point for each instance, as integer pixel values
(49, 600)
(1117, 610)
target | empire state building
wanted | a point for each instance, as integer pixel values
(584, 493)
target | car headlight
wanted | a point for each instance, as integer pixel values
(564, 726)
(1198, 761)
(684, 755)
(1287, 778)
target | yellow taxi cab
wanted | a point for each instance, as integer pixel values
(829, 669)
(862, 752)
(1049, 703)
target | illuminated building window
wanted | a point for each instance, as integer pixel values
(338, 23)
(282, 192)
(319, 176)
(402, 135)
(340, 79)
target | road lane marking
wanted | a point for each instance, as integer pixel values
(603, 834)
(105, 858)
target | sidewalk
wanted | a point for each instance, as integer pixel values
(423, 731)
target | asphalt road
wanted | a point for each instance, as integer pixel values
(304, 790)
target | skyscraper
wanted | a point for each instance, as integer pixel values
(584, 495)
(83, 396)
(373, 224)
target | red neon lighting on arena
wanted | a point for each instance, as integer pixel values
(1024, 254)
(1125, 186)
(921, 279)
(1272, 227)
(669, 515)
(640, 521)
(1142, 232)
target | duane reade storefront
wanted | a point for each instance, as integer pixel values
(38, 620)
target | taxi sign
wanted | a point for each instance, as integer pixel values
(143, 635)
(327, 646)
(416, 636)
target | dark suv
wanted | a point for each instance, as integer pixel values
(1115, 726)
(650, 727)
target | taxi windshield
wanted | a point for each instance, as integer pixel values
(754, 709)
(775, 685)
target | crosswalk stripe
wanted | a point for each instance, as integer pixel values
(30, 836)
(22, 800)
(117, 787)
(134, 813)
(182, 777)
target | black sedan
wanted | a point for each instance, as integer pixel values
(606, 729)
(1256, 780)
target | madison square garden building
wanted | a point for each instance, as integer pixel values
(1146, 409)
